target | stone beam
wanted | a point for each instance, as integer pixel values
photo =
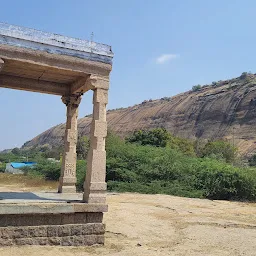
(33, 85)
(53, 60)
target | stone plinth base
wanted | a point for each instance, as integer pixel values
(65, 235)
(49, 222)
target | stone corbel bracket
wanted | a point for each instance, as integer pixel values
(91, 82)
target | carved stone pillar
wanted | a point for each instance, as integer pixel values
(95, 185)
(67, 181)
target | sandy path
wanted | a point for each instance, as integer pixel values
(166, 225)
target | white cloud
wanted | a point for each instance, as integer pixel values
(165, 58)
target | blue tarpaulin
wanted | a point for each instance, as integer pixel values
(22, 164)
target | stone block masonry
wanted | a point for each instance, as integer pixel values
(71, 229)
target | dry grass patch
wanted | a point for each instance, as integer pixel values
(26, 182)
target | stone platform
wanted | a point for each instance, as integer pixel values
(49, 219)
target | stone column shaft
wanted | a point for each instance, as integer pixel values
(95, 185)
(67, 182)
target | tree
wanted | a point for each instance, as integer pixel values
(160, 137)
(214, 84)
(82, 147)
(219, 150)
(252, 160)
(16, 151)
(157, 137)
(243, 75)
(196, 88)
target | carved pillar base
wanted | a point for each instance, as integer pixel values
(67, 181)
(67, 186)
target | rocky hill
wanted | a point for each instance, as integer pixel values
(224, 109)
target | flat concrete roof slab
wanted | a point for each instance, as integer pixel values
(53, 43)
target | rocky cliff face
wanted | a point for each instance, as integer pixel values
(226, 109)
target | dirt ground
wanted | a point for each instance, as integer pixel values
(164, 225)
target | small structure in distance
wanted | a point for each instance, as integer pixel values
(16, 167)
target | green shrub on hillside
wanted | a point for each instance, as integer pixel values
(147, 169)
(220, 150)
(196, 88)
(150, 169)
(252, 160)
(243, 75)
(160, 137)
(214, 84)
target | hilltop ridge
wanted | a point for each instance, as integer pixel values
(224, 110)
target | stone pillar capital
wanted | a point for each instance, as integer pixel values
(97, 82)
(71, 100)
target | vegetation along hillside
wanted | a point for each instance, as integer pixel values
(222, 110)
(155, 161)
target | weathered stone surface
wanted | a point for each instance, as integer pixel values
(76, 230)
(68, 218)
(24, 241)
(49, 210)
(64, 230)
(80, 218)
(6, 242)
(52, 231)
(37, 231)
(41, 241)
(67, 241)
(52, 219)
(66, 235)
(54, 241)
(96, 158)
(94, 217)
(20, 232)
(78, 240)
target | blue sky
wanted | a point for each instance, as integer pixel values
(161, 47)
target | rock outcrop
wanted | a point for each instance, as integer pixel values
(226, 109)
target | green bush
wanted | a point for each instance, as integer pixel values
(252, 160)
(243, 75)
(51, 171)
(82, 147)
(80, 174)
(219, 150)
(155, 169)
(147, 169)
(47, 169)
(160, 137)
(196, 88)
(2, 167)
